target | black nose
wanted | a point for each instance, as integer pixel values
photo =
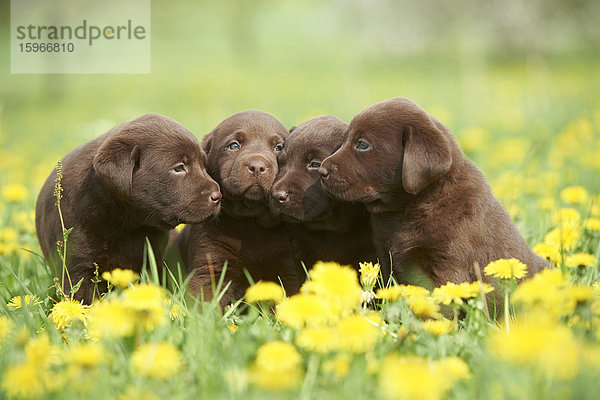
(257, 168)
(280, 195)
(216, 196)
(323, 172)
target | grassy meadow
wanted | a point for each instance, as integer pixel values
(530, 119)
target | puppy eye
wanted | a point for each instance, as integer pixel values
(314, 164)
(179, 167)
(362, 145)
(233, 146)
(278, 147)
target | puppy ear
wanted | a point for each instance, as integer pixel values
(115, 162)
(207, 142)
(427, 156)
(293, 128)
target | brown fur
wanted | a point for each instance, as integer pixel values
(322, 228)
(246, 234)
(430, 206)
(120, 189)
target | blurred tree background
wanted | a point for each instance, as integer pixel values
(515, 66)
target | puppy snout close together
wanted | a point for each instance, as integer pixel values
(324, 172)
(216, 197)
(257, 167)
(280, 196)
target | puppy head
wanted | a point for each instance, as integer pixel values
(297, 193)
(393, 146)
(242, 155)
(156, 165)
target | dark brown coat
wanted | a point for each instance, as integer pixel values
(242, 157)
(322, 228)
(137, 181)
(430, 206)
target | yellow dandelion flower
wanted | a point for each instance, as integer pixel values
(564, 237)
(41, 353)
(338, 284)
(111, 319)
(391, 293)
(574, 195)
(549, 252)
(148, 301)
(264, 291)
(23, 381)
(595, 210)
(453, 368)
(410, 290)
(416, 378)
(121, 277)
(592, 224)
(403, 332)
(473, 139)
(6, 325)
(338, 366)
(304, 309)
(85, 355)
(566, 216)
(316, 339)
(394, 292)
(176, 311)
(8, 241)
(547, 204)
(424, 306)
(277, 366)
(369, 273)
(580, 260)
(596, 290)
(156, 360)
(356, 334)
(581, 294)
(540, 343)
(24, 221)
(14, 193)
(547, 289)
(67, 310)
(180, 227)
(8, 235)
(506, 269)
(26, 300)
(453, 293)
(438, 327)
(277, 354)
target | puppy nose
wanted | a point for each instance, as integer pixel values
(280, 195)
(323, 172)
(216, 196)
(257, 168)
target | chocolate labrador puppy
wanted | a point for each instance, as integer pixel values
(137, 181)
(242, 157)
(322, 228)
(430, 206)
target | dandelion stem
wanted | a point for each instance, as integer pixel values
(455, 311)
(310, 378)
